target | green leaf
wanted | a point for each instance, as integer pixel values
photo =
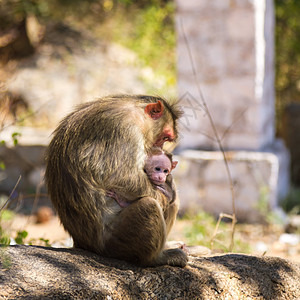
(46, 241)
(6, 215)
(21, 235)
(4, 240)
(2, 165)
(15, 136)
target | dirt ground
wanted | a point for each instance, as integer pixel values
(262, 240)
(271, 241)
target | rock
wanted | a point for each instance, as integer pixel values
(48, 273)
(290, 239)
(293, 224)
(235, 75)
(26, 161)
(202, 183)
(198, 251)
(44, 214)
(71, 66)
(14, 41)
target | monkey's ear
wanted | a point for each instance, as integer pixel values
(154, 110)
(174, 164)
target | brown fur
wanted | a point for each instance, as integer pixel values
(101, 147)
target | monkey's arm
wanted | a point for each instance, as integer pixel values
(122, 202)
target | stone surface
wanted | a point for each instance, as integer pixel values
(27, 136)
(226, 71)
(46, 273)
(203, 183)
(53, 82)
(26, 162)
(232, 48)
(71, 67)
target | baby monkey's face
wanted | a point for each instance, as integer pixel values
(158, 167)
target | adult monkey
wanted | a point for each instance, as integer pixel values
(100, 147)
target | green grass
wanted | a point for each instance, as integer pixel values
(150, 33)
(202, 228)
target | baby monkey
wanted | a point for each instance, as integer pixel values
(158, 167)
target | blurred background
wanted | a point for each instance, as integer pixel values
(56, 54)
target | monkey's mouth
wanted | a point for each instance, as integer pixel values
(167, 135)
(155, 182)
(160, 142)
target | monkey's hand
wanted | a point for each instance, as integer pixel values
(123, 203)
(168, 188)
(169, 179)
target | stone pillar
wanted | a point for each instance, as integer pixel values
(231, 43)
(232, 46)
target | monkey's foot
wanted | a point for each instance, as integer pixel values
(118, 199)
(177, 244)
(173, 257)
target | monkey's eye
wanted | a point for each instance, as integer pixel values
(166, 171)
(157, 169)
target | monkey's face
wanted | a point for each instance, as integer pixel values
(158, 167)
(167, 135)
(163, 124)
(159, 175)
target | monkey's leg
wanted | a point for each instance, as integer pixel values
(139, 235)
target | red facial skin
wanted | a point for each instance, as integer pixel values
(167, 135)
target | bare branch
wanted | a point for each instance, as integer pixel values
(12, 192)
(233, 123)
